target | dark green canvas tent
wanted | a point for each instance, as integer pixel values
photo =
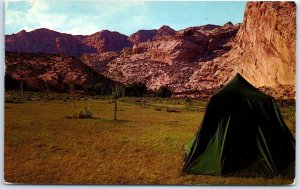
(241, 134)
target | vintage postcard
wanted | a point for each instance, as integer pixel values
(150, 92)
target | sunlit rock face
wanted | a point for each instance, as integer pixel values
(46, 41)
(263, 52)
(51, 42)
(172, 57)
(267, 43)
(195, 61)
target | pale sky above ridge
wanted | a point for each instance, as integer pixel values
(87, 17)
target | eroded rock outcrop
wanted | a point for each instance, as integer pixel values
(58, 71)
(195, 61)
(267, 43)
(105, 41)
(263, 52)
(142, 36)
(171, 59)
(46, 41)
(51, 42)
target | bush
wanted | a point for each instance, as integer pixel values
(100, 88)
(65, 99)
(163, 92)
(136, 90)
(169, 109)
(157, 109)
(13, 101)
(82, 114)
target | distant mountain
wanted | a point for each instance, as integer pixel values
(146, 35)
(52, 42)
(106, 41)
(58, 71)
(169, 58)
(142, 36)
(195, 61)
(46, 41)
(165, 31)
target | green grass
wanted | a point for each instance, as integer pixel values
(143, 147)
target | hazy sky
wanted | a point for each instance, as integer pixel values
(87, 17)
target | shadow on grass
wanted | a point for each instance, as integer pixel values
(99, 119)
(111, 120)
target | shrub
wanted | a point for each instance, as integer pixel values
(65, 99)
(136, 90)
(157, 109)
(188, 101)
(82, 114)
(13, 100)
(85, 114)
(169, 109)
(163, 92)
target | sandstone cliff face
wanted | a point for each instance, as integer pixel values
(263, 52)
(105, 41)
(194, 61)
(267, 43)
(171, 59)
(57, 70)
(165, 31)
(99, 61)
(52, 42)
(46, 41)
(142, 36)
(187, 45)
(148, 35)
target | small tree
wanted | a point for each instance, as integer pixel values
(47, 90)
(72, 88)
(98, 88)
(136, 90)
(164, 92)
(22, 87)
(116, 94)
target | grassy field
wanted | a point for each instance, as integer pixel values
(143, 147)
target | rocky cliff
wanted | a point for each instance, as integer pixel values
(46, 41)
(107, 41)
(148, 35)
(171, 58)
(267, 44)
(51, 42)
(195, 61)
(263, 51)
(58, 71)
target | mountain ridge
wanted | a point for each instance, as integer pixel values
(195, 61)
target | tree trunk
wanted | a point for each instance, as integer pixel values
(74, 98)
(47, 91)
(115, 111)
(22, 87)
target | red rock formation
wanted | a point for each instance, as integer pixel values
(263, 52)
(46, 41)
(148, 35)
(52, 42)
(267, 43)
(56, 70)
(196, 59)
(99, 61)
(106, 40)
(171, 59)
(187, 45)
(165, 31)
(142, 36)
